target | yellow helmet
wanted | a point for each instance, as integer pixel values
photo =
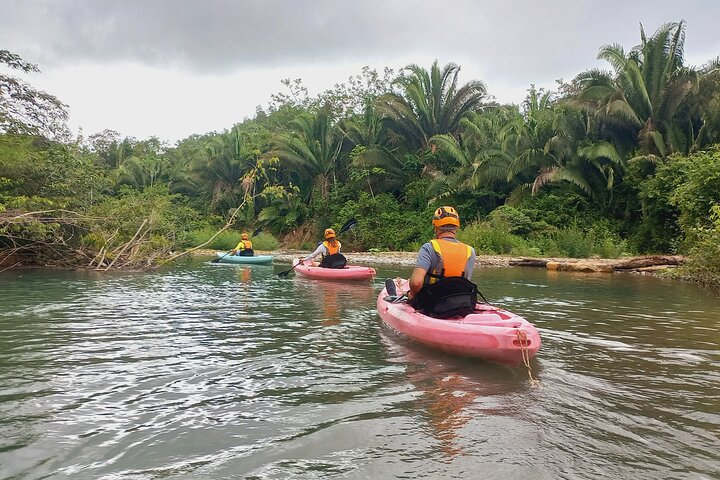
(244, 236)
(329, 233)
(446, 216)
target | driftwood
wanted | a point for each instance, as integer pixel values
(125, 247)
(649, 263)
(643, 262)
(227, 225)
(528, 262)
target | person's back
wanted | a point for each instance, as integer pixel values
(440, 285)
(244, 247)
(330, 251)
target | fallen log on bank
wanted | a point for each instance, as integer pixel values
(650, 263)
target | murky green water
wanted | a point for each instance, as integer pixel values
(217, 371)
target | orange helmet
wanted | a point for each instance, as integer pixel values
(329, 233)
(244, 236)
(446, 216)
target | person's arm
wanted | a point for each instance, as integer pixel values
(239, 246)
(320, 249)
(470, 265)
(416, 281)
(422, 266)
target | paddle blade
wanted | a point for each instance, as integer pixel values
(347, 226)
(390, 287)
(257, 230)
(286, 272)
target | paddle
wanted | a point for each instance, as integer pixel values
(391, 289)
(349, 225)
(257, 230)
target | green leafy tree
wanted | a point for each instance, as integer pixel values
(430, 102)
(142, 172)
(226, 162)
(284, 208)
(375, 155)
(311, 150)
(639, 103)
(475, 161)
(25, 110)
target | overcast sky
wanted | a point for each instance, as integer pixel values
(171, 68)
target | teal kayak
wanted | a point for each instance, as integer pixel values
(237, 259)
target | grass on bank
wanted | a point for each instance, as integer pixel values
(496, 238)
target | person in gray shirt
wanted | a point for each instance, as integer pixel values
(443, 257)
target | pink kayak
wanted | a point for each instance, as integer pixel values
(349, 272)
(489, 333)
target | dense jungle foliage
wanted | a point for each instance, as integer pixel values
(613, 162)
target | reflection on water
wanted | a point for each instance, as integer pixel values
(454, 391)
(224, 371)
(333, 298)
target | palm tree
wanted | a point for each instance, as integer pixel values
(430, 102)
(141, 172)
(638, 103)
(218, 169)
(374, 149)
(476, 157)
(284, 208)
(549, 143)
(702, 110)
(311, 149)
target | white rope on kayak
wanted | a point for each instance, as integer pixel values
(522, 338)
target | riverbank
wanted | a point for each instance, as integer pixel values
(640, 264)
(649, 264)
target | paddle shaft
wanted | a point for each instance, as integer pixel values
(285, 273)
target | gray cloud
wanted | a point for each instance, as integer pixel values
(91, 48)
(508, 44)
(516, 38)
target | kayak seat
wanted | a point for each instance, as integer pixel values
(336, 260)
(448, 297)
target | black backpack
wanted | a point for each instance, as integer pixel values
(446, 298)
(336, 260)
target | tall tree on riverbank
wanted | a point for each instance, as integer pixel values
(430, 102)
(375, 151)
(25, 110)
(311, 149)
(640, 102)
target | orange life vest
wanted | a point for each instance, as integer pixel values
(247, 244)
(453, 256)
(332, 250)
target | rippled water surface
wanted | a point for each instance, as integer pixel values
(218, 371)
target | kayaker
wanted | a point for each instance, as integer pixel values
(330, 251)
(244, 247)
(440, 284)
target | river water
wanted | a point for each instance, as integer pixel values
(219, 371)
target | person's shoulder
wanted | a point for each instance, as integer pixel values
(426, 246)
